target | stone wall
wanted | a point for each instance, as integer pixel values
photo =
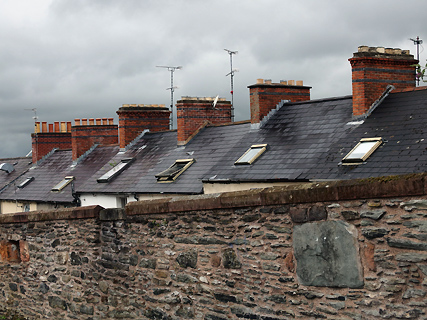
(344, 250)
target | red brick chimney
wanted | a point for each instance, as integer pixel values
(193, 113)
(84, 135)
(265, 95)
(373, 69)
(135, 118)
(44, 140)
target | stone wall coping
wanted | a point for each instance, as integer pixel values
(48, 215)
(370, 188)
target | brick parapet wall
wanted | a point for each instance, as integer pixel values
(193, 113)
(371, 76)
(45, 142)
(228, 256)
(265, 97)
(134, 120)
(83, 137)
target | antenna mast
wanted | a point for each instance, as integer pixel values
(231, 74)
(171, 88)
(417, 42)
(35, 115)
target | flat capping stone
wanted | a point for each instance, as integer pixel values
(89, 212)
(381, 187)
(202, 99)
(381, 52)
(143, 107)
(370, 188)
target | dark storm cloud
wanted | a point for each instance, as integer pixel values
(77, 59)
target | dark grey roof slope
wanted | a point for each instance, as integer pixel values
(20, 166)
(52, 170)
(401, 121)
(297, 134)
(155, 152)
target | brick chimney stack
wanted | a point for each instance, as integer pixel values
(50, 136)
(98, 131)
(194, 112)
(265, 95)
(373, 69)
(135, 118)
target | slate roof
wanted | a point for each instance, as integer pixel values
(306, 142)
(52, 170)
(20, 165)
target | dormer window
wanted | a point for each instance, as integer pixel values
(115, 171)
(362, 151)
(63, 184)
(24, 183)
(174, 171)
(252, 154)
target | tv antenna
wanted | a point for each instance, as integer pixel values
(35, 117)
(231, 74)
(417, 42)
(171, 88)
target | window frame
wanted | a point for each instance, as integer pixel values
(115, 171)
(347, 160)
(262, 148)
(62, 184)
(162, 177)
(26, 182)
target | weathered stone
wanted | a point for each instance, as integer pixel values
(103, 286)
(327, 254)
(215, 261)
(406, 244)
(372, 232)
(187, 259)
(251, 217)
(56, 302)
(411, 257)
(269, 256)
(373, 214)
(223, 297)
(13, 286)
(86, 309)
(186, 278)
(148, 263)
(230, 259)
(350, 215)
(44, 288)
(52, 278)
(61, 258)
(418, 204)
(413, 293)
(277, 298)
(185, 312)
(199, 240)
(75, 259)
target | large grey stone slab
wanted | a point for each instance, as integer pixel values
(327, 254)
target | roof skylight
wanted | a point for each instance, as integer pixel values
(252, 154)
(63, 183)
(362, 151)
(25, 182)
(115, 171)
(173, 172)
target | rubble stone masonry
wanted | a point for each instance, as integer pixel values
(341, 250)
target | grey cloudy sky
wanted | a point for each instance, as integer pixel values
(84, 58)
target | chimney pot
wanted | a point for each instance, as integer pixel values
(104, 121)
(283, 82)
(267, 81)
(98, 121)
(291, 82)
(259, 81)
(56, 126)
(44, 126)
(68, 126)
(76, 122)
(300, 83)
(84, 122)
(37, 127)
(63, 126)
(110, 121)
(91, 121)
(51, 127)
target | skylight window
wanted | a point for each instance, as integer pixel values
(252, 154)
(173, 172)
(362, 151)
(63, 183)
(115, 171)
(24, 183)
